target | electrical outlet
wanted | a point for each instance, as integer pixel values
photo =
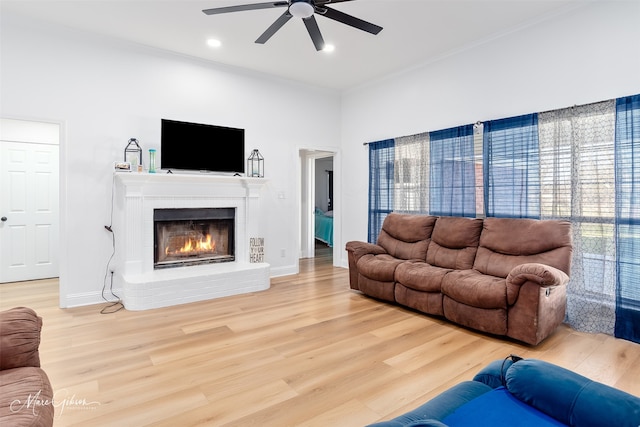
(283, 253)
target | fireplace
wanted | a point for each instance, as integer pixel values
(141, 199)
(193, 236)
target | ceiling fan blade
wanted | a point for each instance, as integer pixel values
(243, 7)
(325, 2)
(283, 19)
(352, 21)
(314, 32)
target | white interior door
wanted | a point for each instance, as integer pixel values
(29, 211)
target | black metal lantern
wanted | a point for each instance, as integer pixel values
(255, 164)
(133, 153)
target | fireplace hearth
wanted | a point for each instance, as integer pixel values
(193, 236)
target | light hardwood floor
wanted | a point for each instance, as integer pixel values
(307, 352)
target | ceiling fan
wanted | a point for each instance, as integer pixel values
(305, 9)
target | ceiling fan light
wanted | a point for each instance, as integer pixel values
(328, 48)
(301, 9)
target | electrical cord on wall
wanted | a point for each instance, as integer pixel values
(108, 271)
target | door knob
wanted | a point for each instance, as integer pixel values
(3, 219)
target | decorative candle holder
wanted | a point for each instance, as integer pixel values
(133, 153)
(255, 164)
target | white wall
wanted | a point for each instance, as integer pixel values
(27, 131)
(584, 55)
(105, 92)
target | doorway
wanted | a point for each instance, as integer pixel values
(317, 219)
(29, 205)
(323, 210)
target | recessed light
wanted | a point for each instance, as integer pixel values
(214, 43)
(328, 48)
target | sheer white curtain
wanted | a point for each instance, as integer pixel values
(577, 183)
(411, 174)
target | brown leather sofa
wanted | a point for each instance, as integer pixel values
(502, 276)
(26, 396)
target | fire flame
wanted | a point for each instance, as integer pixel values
(193, 245)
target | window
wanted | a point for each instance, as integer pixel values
(511, 167)
(452, 172)
(381, 183)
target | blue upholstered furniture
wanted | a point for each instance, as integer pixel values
(525, 393)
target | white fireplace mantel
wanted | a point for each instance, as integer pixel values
(135, 198)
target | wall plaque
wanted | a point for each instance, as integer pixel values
(256, 249)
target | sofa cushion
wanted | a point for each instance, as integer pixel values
(20, 338)
(490, 320)
(508, 242)
(475, 289)
(499, 408)
(454, 242)
(406, 236)
(421, 276)
(378, 267)
(426, 302)
(26, 397)
(440, 406)
(377, 289)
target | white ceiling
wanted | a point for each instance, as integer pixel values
(415, 32)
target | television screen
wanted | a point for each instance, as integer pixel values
(200, 147)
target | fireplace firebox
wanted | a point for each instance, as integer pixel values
(192, 236)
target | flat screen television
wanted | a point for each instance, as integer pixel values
(200, 147)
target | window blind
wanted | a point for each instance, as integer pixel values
(381, 183)
(511, 167)
(452, 176)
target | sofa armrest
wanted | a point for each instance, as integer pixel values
(541, 274)
(355, 251)
(358, 249)
(493, 374)
(570, 397)
(20, 329)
